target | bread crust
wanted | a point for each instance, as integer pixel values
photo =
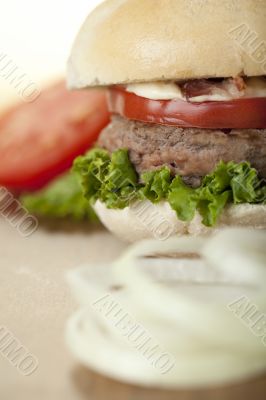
(128, 41)
(144, 220)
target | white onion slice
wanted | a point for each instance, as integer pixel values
(190, 317)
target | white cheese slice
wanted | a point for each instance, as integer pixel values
(157, 91)
(255, 87)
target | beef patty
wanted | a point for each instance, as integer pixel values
(189, 152)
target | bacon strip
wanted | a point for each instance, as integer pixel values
(233, 87)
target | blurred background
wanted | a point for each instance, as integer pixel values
(37, 36)
(35, 303)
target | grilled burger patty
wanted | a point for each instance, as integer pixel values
(189, 152)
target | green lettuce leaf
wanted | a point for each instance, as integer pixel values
(120, 185)
(210, 205)
(182, 199)
(113, 180)
(156, 185)
(92, 170)
(245, 183)
(63, 198)
(214, 193)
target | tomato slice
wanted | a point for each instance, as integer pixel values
(40, 140)
(235, 114)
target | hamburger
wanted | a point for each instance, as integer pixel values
(185, 151)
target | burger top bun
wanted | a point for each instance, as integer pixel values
(126, 41)
(144, 220)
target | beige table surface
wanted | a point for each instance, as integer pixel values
(35, 303)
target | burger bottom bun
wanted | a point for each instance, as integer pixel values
(145, 220)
